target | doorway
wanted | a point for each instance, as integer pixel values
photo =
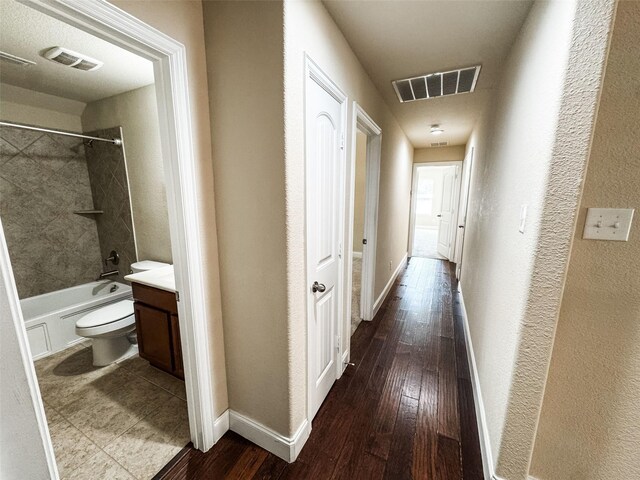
(363, 220)
(359, 239)
(168, 60)
(434, 207)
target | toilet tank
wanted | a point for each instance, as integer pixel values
(145, 265)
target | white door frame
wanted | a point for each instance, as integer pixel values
(456, 195)
(314, 73)
(108, 22)
(465, 187)
(363, 122)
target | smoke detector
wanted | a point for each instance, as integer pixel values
(23, 62)
(69, 58)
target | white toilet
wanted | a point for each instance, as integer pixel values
(109, 326)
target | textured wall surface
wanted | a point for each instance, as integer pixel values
(531, 150)
(440, 154)
(110, 190)
(244, 38)
(590, 422)
(360, 191)
(137, 113)
(43, 179)
(29, 107)
(183, 21)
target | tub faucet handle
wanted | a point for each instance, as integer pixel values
(113, 257)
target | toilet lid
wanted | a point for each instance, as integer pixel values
(104, 315)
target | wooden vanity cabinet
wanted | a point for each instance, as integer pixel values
(158, 328)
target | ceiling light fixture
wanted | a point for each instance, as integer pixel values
(436, 130)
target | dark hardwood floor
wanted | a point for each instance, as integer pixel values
(404, 411)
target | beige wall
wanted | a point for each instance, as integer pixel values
(309, 29)
(530, 150)
(590, 423)
(21, 105)
(137, 113)
(441, 154)
(360, 191)
(245, 64)
(260, 190)
(183, 21)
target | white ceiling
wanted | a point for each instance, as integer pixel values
(399, 39)
(26, 33)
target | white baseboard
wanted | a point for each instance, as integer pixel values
(220, 426)
(287, 449)
(357, 254)
(483, 431)
(387, 288)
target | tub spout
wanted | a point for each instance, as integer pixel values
(108, 274)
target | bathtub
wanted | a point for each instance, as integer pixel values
(50, 318)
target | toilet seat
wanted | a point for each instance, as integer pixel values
(109, 320)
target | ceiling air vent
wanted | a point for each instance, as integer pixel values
(434, 85)
(439, 144)
(72, 59)
(7, 57)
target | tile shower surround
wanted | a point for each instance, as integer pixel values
(44, 177)
(110, 190)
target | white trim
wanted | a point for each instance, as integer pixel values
(6, 276)
(454, 217)
(363, 122)
(387, 287)
(315, 73)
(108, 22)
(485, 441)
(465, 191)
(221, 426)
(286, 448)
(356, 254)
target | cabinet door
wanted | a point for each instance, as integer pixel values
(154, 336)
(178, 369)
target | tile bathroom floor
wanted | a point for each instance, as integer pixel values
(120, 422)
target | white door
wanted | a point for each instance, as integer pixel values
(324, 144)
(447, 210)
(462, 211)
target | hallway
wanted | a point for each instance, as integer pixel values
(404, 411)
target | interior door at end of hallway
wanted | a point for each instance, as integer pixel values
(446, 212)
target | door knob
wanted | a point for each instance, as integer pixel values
(438, 215)
(318, 287)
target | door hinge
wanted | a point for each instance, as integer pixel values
(340, 250)
(177, 296)
(338, 342)
(342, 141)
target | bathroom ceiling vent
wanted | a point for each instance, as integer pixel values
(434, 85)
(439, 144)
(23, 62)
(72, 59)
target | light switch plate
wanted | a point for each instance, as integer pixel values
(608, 224)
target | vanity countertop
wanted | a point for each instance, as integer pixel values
(161, 278)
